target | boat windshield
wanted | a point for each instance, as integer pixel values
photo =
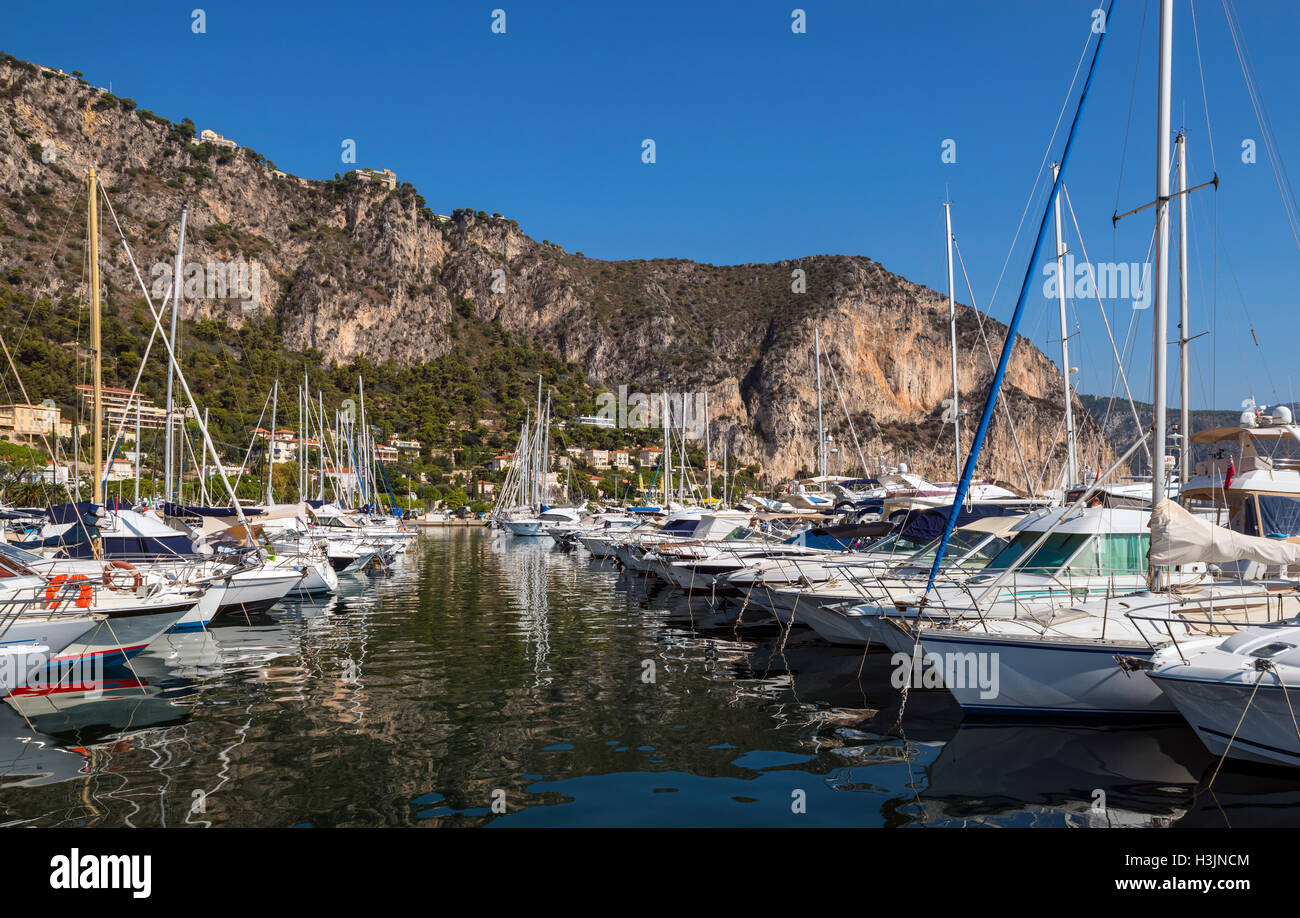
(1277, 516)
(16, 562)
(1121, 553)
(894, 545)
(1048, 559)
(966, 549)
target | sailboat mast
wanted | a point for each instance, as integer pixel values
(1160, 333)
(1071, 452)
(203, 473)
(320, 489)
(98, 449)
(171, 371)
(270, 443)
(952, 331)
(667, 462)
(544, 457)
(1184, 323)
(136, 500)
(708, 450)
(363, 455)
(821, 436)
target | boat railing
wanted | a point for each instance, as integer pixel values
(1027, 590)
(1219, 619)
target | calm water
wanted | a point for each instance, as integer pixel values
(487, 667)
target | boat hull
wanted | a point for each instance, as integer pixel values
(1043, 677)
(122, 635)
(1266, 734)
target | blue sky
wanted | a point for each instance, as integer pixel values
(769, 144)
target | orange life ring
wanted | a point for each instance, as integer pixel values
(137, 579)
(57, 583)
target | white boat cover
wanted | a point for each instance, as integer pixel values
(1178, 537)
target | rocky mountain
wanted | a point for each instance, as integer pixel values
(347, 267)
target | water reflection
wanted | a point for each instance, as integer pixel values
(486, 670)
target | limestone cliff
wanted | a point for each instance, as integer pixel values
(356, 268)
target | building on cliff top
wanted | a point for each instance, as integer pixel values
(209, 136)
(385, 177)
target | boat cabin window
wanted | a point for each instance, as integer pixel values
(1050, 556)
(680, 527)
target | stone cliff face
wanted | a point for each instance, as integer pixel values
(348, 268)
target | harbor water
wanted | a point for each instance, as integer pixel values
(493, 680)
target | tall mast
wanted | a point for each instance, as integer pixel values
(176, 308)
(1071, 452)
(96, 494)
(952, 331)
(683, 494)
(544, 457)
(1184, 324)
(363, 457)
(302, 439)
(821, 436)
(667, 462)
(203, 473)
(1160, 333)
(708, 449)
(537, 442)
(270, 443)
(320, 490)
(136, 500)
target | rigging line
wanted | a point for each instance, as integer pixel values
(1200, 277)
(1211, 230)
(121, 428)
(1047, 462)
(171, 357)
(1033, 190)
(852, 429)
(252, 440)
(1205, 99)
(1101, 307)
(49, 277)
(1128, 124)
(1250, 325)
(1264, 122)
(1006, 411)
(1274, 148)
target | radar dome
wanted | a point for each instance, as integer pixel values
(1282, 414)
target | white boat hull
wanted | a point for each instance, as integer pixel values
(1267, 734)
(1044, 677)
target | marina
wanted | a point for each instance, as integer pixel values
(327, 505)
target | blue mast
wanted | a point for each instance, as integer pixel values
(1009, 344)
